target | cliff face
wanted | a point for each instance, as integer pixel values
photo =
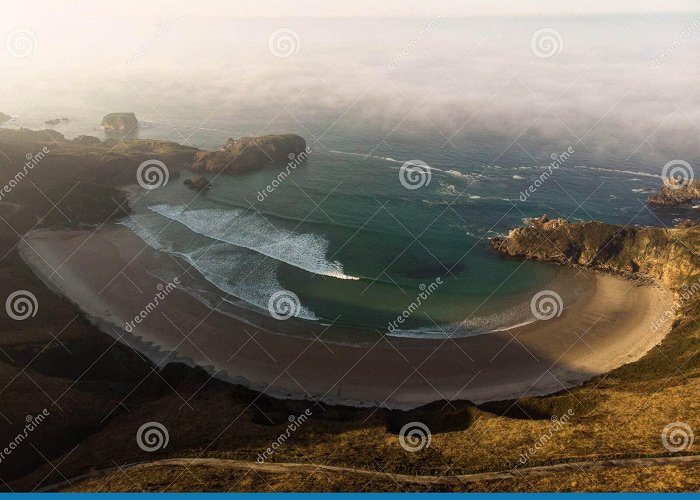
(250, 153)
(674, 193)
(668, 256)
(119, 122)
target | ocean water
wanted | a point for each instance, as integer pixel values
(357, 247)
(471, 101)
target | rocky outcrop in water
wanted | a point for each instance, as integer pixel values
(251, 153)
(4, 118)
(198, 183)
(56, 121)
(667, 256)
(120, 122)
(676, 193)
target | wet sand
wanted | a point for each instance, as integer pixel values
(106, 274)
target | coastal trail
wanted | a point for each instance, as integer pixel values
(309, 468)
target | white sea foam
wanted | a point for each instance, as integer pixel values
(384, 158)
(248, 277)
(253, 231)
(448, 189)
(500, 322)
(616, 171)
(472, 177)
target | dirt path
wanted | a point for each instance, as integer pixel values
(286, 468)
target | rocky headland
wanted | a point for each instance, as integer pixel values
(668, 256)
(677, 193)
(4, 118)
(103, 167)
(85, 173)
(251, 153)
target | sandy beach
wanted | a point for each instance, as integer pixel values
(106, 274)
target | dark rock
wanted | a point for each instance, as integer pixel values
(198, 183)
(686, 223)
(4, 118)
(538, 221)
(56, 121)
(120, 122)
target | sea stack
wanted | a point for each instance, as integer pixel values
(120, 123)
(197, 183)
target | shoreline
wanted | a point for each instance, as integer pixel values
(535, 359)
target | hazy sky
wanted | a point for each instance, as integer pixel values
(617, 82)
(27, 10)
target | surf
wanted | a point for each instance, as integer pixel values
(254, 232)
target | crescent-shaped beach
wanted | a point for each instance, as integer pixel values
(105, 272)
